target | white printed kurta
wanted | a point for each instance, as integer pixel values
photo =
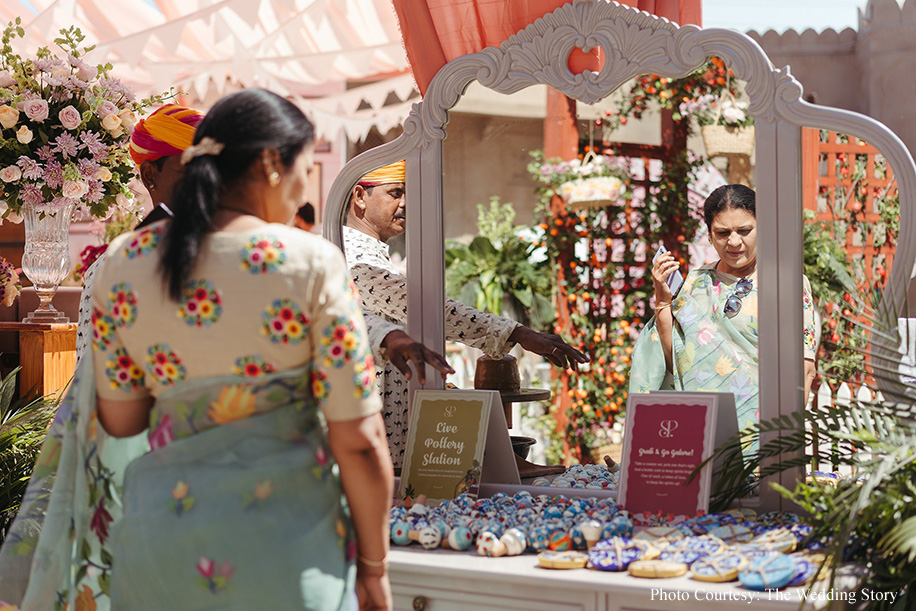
(383, 292)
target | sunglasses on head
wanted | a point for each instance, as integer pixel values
(734, 301)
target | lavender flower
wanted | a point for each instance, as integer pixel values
(92, 143)
(95, 193)
(115, 85)
(54, 174)
(66, 145)
(31, 194)
(31, 169)
(45, 153)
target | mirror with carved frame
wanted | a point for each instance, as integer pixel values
(635, 43)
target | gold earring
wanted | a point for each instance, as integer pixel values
(273, 179)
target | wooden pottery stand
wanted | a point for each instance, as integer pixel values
(528, 469)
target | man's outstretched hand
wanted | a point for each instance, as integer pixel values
(550, 346)
(402, 349)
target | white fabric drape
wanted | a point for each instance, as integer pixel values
(305, 49)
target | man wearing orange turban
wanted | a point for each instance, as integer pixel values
(156, 145)
(376, 214)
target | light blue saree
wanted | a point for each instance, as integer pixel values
(237, 506)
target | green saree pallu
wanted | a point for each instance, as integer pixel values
(712, 352)
(237, 506)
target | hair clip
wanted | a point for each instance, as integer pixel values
(206, 146)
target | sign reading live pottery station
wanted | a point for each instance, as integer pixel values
(446, 438)
(667, 436)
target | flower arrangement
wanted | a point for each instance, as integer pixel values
(726, 109)
(64, 129)
(592, 181)
(9, 283)
(681, 96)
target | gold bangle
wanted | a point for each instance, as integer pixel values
(373, 563)
(662, 306)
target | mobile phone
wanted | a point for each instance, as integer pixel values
(676, 279)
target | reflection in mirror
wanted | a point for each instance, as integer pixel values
(647, 158)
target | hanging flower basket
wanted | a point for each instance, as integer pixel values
(592, 192)
(728, 140)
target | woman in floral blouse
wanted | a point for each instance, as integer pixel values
(237, 344)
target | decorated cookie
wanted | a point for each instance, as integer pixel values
(780, 540)
(733, 533)
(616, 553)
(719, 567)
(562, 560)
(656, 569)
(752, 551)
(699, 543)
(742, 514)
(768, 573)
(660, 536)
(805, 570)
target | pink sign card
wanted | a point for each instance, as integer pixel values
(666, 437)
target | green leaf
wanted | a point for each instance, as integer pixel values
(482, 247)
(486, 278)
(524, 297)
(105, 583)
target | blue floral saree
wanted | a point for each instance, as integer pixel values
(237, 506)
(714, 347)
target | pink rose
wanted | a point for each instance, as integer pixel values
(74, 189)
(6, 79)
(107, 108)
(70, 117)
(10, 173)
(86, 72)
(36, 110)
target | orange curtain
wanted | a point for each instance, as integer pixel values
(437, 31)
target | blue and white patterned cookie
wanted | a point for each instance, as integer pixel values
(805, 569)
(718, 567)
(779, 540)
(768, 572)
(733, 533)
(616, 553)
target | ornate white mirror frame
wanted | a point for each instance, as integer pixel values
(636, 43)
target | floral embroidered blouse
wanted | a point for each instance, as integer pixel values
(259, 301)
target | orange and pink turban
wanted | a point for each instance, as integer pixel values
(394, 172)
(167, 131)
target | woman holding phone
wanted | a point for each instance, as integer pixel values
(704, 337)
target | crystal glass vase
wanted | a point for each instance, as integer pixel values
(46, 261)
